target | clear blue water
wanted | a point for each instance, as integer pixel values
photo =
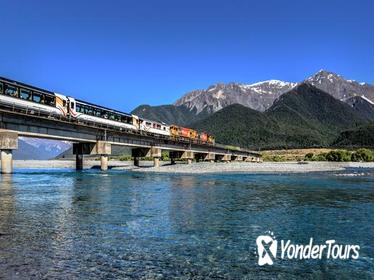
(87, 225)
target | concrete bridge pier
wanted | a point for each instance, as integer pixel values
(137, 153)
(156, 155)
(253, 159)
(237, 157)
(104, 162)
(8, 143)
(210, 157)
(223, 157)
(184, 155)
(189, 156)
(104, 149)
(153, 152)
(174, 155)
(79, 149)
(156, 162)
(78, 161)
(6, 161)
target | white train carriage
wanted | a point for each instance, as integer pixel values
(92, 113)
(154, 127)
(31, 99)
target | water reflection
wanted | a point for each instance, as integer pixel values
(115, 224)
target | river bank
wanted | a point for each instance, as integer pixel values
(201, 167)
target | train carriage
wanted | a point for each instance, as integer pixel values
(31, 99)
(154, 127)
(85, 111)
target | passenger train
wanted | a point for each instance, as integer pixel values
(39, 101)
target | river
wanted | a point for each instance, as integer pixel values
(119, 224)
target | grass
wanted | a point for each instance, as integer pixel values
(320, 154)
(291, 154)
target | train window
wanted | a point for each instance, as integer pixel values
(148, 124)
(37, 97)
(11, 91)
(1, 87)
(89, 111)
(25, 94)
(79, 108)
(112, 117)
(94, 112)
(126, 119)
(49, 100)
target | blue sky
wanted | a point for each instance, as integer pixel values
(125, 53)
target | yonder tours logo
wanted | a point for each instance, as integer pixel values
(268, 245)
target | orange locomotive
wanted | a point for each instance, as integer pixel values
(189, 133)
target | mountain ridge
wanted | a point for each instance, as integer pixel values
(198, 104)
(303, 117)
(258, 96)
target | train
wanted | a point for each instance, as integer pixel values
(35, 100)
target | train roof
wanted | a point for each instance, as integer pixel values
(26, 85)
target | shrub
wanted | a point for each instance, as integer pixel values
(338, 155)
(124, 158)
(320, 157)
(362, 155)
(278, 158)
(165, 156)
(309, 156)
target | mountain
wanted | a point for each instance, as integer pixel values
(339, 87)
(258, 96)
(39, 149)
(198, 104)
(359, 137)
(363, 106)
(309, 107)
(241, 126)
(303, 117)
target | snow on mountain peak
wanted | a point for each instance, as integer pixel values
(219, 94)
(367, 99)
(271, 82)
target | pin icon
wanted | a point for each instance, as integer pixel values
(267, 249)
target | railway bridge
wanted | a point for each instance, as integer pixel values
(97, 139)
